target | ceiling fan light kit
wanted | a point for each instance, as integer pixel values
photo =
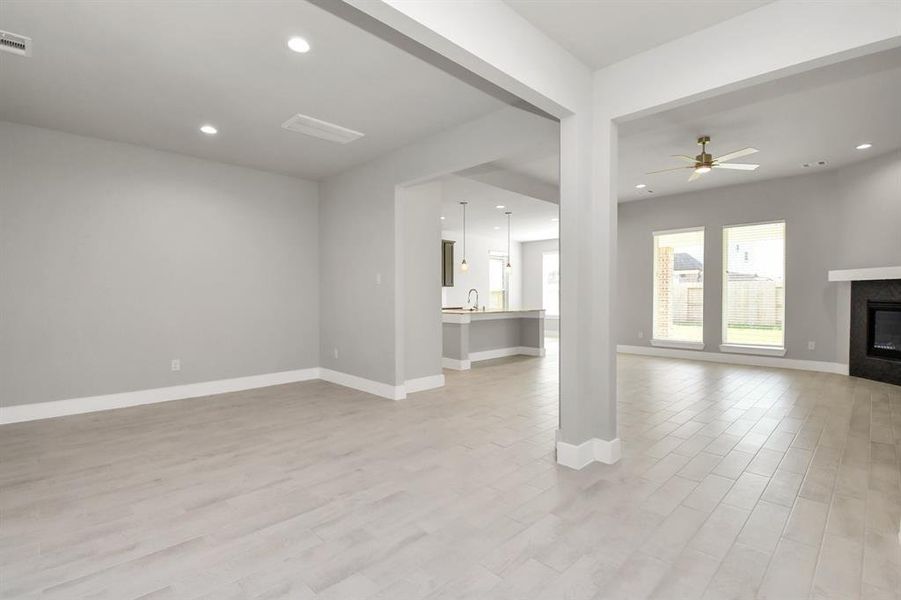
(705, 162)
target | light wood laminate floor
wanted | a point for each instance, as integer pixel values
(736, 482)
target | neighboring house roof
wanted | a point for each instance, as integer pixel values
(682, 261)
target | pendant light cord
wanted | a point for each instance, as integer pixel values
(463, 265)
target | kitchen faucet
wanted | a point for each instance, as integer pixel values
(469, 295)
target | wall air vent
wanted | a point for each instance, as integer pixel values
(321, 129)
(15, 44)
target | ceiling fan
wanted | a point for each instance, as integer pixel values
(704, 162)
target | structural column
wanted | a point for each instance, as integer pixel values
(588, 426)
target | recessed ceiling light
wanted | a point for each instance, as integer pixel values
(209, 129)
(442, 218)
(298, 44)
(496, 228)
(864, 146)
(500, 206)
(641, 186)
(555, 219)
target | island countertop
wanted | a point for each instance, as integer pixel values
(473, 335)
(463, 311)
(456, 315)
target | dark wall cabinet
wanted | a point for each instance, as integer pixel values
(447, 263)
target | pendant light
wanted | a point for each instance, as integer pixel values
(463, 265)
(509, 266)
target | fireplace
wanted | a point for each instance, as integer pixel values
(875, 350)
(884, 329)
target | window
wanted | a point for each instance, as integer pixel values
(754, 285)
(679, 288)
(550, 283)
(498, 281)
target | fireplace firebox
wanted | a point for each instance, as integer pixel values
(884, 329)
(875, 351)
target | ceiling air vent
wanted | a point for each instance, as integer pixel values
(15, 44)
(321, 129)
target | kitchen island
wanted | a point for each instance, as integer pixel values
(470, 336)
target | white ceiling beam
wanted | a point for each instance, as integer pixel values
(512, 181)
(493, 41)
(771, 42)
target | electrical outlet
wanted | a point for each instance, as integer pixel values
(811, 345)
(378, 279)
(641, 335)
(176, 364)
(336, 353)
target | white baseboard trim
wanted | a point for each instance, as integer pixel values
(377, 388)
(88, 404)
(502, 352)
(529, 351)
(453, 363)
(420, 384)
(75, 406)
(578, 456)
(680, 345)
(739, 359)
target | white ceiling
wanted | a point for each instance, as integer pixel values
(545, 169)
(151, 73)
(602, 32)
(820, 116)
(530, 221)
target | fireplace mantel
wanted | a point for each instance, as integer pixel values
(871, 274)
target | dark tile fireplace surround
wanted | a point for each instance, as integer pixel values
(875, 351)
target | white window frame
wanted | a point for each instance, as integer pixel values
(505, 275)
(543, 254)
(761, 350)
(682, 345)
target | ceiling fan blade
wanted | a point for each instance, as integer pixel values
(685, 156)
(736, 154)
(666, 170)
(737, 166)
(695, 175)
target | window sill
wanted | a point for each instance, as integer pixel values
(759, 350)
(675, 344)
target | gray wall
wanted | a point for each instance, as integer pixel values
(421, 207)
(532, 271)
(844, 218)
(532, 278)
(358, 275)
(869, 213)
(361, 230)
(478, 255)
(115, 259)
